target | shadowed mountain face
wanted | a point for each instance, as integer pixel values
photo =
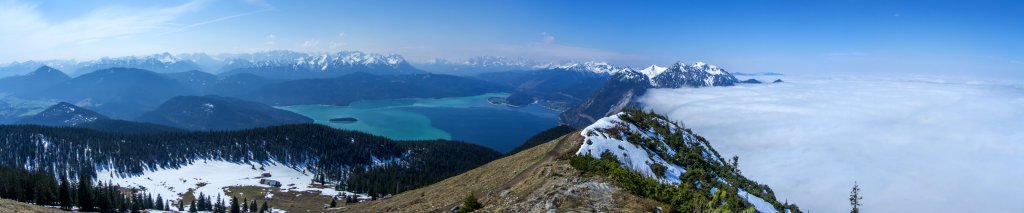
(625, 87)
(218, 113)
(68, 115)
(620, 92)
(568, 87)
(63, 114)
(29, 85)
(121, 93)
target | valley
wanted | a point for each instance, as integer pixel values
(472, 119)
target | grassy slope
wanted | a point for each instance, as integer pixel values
(509, 182)
(15, 206)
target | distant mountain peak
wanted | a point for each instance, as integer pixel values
(599, 67)
(653, 70)
(47, 71)
(63, 114)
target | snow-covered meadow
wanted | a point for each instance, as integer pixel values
(211, 177)
(914, 144)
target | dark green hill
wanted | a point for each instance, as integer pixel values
(218, 113)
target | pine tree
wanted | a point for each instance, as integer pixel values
(123, 206)
(334, 202)
(470, 204)
(234, 205)
(192, 207)
(159, 203)
(181, 205)
(253, 207)
(855, 198)
(245, 205)
(85, 201)
(200, 203)
(219, 207)
(264, 207)
(136, 203)
(64, 194)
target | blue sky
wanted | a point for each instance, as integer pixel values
(960, 37)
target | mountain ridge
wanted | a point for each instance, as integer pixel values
(556, 176)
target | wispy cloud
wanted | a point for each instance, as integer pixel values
(179, 29)
(23, 28)
(311, 44)
(913, 144)
(547, 38)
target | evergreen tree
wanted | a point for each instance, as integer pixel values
(181, 205)
(219, 207)
(245, 204)
(65, 194)
(470, 204)
(123, 205)
(192, 207)
(159, 203)
(85, 201)
(334, 202)
(136, 203)
(234, 205)
(855, 198)
(264, 207)
(201, 202)
(253, 207)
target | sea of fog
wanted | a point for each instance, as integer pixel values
(913, 144)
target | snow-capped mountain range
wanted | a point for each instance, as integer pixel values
(312, 61)
(342, 62)
(677, 75)
(286, 64)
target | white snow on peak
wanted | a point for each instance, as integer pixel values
(167, 58)
(653, 70)
(592, 66)
(710, 69)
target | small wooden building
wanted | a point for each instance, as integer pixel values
(270, 182)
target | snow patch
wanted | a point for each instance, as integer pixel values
(759, 204)
(212, 177)
(632, 156)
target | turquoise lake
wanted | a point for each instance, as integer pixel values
(471, 119)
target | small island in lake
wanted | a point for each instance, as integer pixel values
(346, 120)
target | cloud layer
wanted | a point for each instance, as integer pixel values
(913, 145)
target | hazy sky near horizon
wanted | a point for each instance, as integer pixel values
(961, 37)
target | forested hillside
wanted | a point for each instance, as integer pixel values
(346, 158)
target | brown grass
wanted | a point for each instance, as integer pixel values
(502, 184)
(290, 201)
(15, 206)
